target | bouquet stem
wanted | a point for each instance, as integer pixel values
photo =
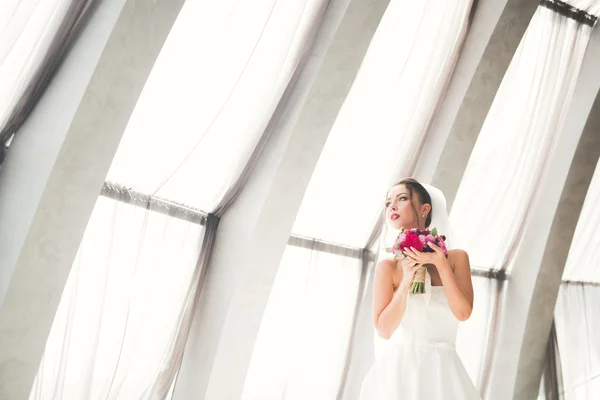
(418, 285)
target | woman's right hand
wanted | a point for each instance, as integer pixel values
(409, 267)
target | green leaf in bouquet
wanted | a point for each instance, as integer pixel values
(434, 232)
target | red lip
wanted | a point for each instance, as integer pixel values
(394, 217)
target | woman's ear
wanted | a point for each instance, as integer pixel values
(426, 209)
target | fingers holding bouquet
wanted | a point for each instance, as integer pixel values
(435, 257)
(420, 247)
(409, 268)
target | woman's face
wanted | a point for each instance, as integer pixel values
(399, 212)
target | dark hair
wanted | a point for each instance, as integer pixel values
(413, 186)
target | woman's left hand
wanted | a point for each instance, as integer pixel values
(436, 258)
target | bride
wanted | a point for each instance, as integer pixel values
(415, 357)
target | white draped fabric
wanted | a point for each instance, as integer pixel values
(517, 139)
(303, 340)
(124, 316)
(121, 304)
(382, 124)
(210, 95)
(590, 6)
(516, 142)
(577, 317)
(27, 28)
(472, 337)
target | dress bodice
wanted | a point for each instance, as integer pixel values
(427, 320)
(420, 361)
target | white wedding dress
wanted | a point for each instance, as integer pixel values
(419, 361)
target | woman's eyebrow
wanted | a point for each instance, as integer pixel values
(398, 195)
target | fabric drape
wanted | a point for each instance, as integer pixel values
(500, 184)
(120, 305)
(382, 124)
(36, 37)
(577, 319)
(517, 139)
(301, 347)
(242, 72)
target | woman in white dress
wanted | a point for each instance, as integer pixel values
(415, 357)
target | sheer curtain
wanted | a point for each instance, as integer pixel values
(517, 138)
(28, 28)
(382, 124)
(301, 348)
(472, 335)
(216, 84)
(120, 307)
(35, 35)
(193, 138)
(577, 318)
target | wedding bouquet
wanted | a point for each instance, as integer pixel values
(418, 239)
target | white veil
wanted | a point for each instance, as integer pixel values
(439, 217)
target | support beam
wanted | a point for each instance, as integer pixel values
(56, 168)
(464, 115)
(238, 284)
(547, 284)
(527, 302)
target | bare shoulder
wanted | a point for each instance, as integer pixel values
(459, 259)
(387, 273)
(458, 254)
(386, 266)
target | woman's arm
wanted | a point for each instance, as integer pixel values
(389, 307)
(458, 285)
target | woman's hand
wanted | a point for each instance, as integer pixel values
(436, 258)
(409, 267)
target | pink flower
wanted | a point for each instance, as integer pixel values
(412, 240)
(419, 239)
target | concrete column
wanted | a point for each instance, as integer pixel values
(56, 167)
(545, 291)
(463, 114)
(238, 284)
(527, 304)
